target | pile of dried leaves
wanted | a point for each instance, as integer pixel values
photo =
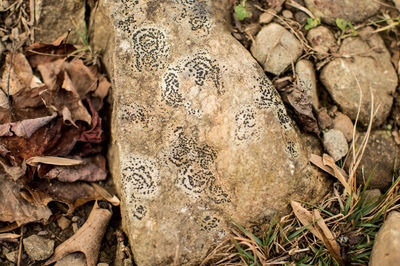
(50, 134)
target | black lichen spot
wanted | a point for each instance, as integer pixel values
(140, 177)
(201, 68)
(291, 148)
(134, 113)
(139, 211)
(171, 94)
(195, 163)
(151, 49)
(197, 15)
(245, 124)
(209, 222)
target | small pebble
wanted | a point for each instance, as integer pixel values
(301, 17)
(75, 227)
(42, 233)
(12, 256)
(335, 144)
(102, 264)
(287, 14)
(75, 219)
(63, 222)
(267, 16)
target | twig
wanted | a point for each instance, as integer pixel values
(20, 247)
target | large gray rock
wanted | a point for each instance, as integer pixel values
(365, 64)
(350, 10)
(386, 249)
(275, 48)
(199, 134)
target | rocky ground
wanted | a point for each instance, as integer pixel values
(334, 63)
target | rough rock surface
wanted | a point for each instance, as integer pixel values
(199, 134)
(307, 81)
(55, 20)
(367, 60)
(335, 144)
(275, 48)
(38, 248)
(386, 249)
(350, 10)
(322, 40)
(381, 152)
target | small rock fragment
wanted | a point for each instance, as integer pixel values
(324, 119)
(74, 219)
(343, 123)
(335, 144)
(371, 195)
(386, 249)
(307, 81)
(322, 40)
(128, 262)
(267, 16)
(75, 227)
(353, 11)
(75, 259)
(275, 48)
(102, 264)
(301, 17)
(287, 14)
(63, 222)
(12, 256)
(38, 248)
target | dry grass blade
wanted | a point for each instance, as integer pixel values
(6, 236)
(35, 161)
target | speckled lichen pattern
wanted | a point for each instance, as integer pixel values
(195, 165)
(267, 97)
(246, 125)
(140, 180)
(186, 82)
(195, 14)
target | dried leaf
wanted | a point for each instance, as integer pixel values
(87, 239)
(91, 169)
(17, 77)
(339, 173)
(34, 161)
(328, 238)
(305, 217)
(14, 208)
(107, 196)
(42, 53)
(303, 108)
(93, 135)
(8, 236)
(72, 194)
(15, 172)
(25, 128)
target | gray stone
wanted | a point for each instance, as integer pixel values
(386, 249)
(307, 81)
(381, 153)
(343, 123)
(75, 259)
(353, 11)
(199, 133)
(38, 248)
(275, 48)
(366, 60)
(12, 256)
(322, 40)
(335, 144)
(52, 24)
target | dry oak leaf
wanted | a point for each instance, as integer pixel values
(18, 76)
(14, 208)
(87, 239)
(25, 128)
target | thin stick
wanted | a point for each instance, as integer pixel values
(20, 247)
